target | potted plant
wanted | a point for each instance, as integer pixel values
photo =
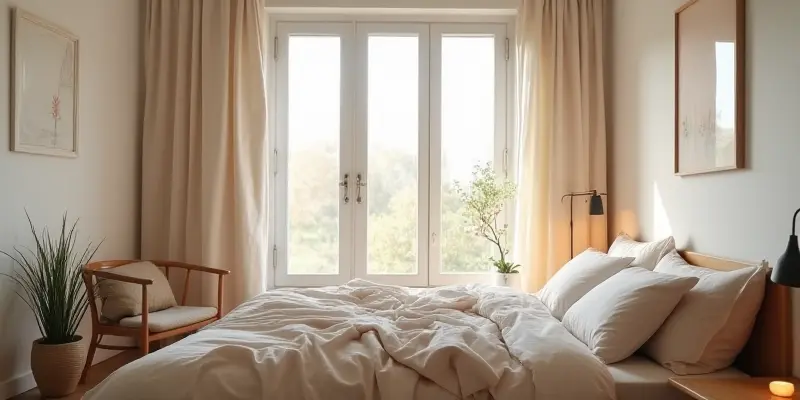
(484, 200)
(50, 276)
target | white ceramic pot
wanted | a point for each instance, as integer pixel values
(507, 280)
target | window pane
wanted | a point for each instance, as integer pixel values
(313, 155)
(468, 90)
(392, 148)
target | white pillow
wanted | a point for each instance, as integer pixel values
(577, 277)
(647, 254)
(712, 323)
(618, 316)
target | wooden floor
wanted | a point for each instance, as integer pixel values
(97, 373)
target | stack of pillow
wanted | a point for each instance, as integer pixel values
(644, 296)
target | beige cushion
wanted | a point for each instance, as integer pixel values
(618, 316)
(122, 299)
(647, 254)
(577, 277)
(171, 318)
(712, 322)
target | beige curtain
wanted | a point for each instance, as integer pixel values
(560, 131)
(204, 152)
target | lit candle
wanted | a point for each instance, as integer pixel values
(780, 388)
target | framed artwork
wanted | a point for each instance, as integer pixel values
(44, 87)
(709, 86)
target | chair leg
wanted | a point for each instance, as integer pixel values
(89, 357)
(145, 345)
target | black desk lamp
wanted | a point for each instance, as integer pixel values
(787, 271)
(595, 208)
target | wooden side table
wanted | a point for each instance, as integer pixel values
(700, 388)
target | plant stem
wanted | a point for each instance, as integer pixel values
(496, 240)
(497, 236)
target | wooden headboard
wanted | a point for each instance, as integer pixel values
(769, 350)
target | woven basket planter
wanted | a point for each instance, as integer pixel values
(57, 367)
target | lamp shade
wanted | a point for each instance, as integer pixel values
(596, 205)
(787, 271)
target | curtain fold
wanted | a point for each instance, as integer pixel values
(204, 150)
(561, 131)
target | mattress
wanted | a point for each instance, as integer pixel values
(641, 378)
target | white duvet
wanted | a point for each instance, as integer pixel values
(368, 341)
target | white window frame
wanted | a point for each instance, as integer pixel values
(281, 187)
(500, 162)
(438, 22)
(363, 31)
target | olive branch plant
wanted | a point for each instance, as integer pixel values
(50, 276)
(484, 200)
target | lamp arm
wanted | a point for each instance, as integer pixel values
(794, 221)
(586, 193)
(578, 194)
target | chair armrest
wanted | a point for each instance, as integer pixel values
(192, 267)
(121, 278)
(210, 270)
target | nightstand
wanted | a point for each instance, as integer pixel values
(700, 388)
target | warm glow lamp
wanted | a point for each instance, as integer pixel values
(782, 389)
(787, 273)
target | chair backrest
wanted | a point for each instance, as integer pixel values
(90, 282)
(90, 268)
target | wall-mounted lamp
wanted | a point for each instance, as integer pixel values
(787, 271)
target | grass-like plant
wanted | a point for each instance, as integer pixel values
(51, 281)
(484, 200)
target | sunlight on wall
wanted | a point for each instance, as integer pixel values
(726, 85)
(661, 225)
(626, 222)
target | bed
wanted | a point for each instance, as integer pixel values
(369, 341)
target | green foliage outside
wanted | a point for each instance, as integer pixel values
(392, 217)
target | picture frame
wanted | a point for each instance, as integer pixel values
(44, 87)
(709, 86)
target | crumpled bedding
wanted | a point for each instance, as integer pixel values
(363, 340)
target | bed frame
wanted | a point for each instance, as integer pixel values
(769, 350)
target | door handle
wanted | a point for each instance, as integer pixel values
(359, 185)
(346, 185)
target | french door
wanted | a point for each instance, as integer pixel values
(374, 123)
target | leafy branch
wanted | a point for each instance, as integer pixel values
(483, 201)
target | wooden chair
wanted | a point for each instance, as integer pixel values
(101, 326)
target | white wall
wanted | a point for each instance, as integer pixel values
(101, 187)
(740, 214)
